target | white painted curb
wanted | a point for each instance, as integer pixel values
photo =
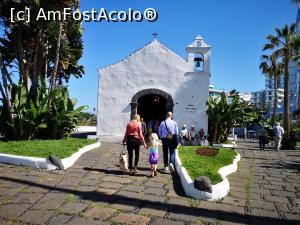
(224, 145)
(43, 163)
(219, 190)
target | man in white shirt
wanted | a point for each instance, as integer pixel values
(278, 134)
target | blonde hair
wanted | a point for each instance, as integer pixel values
(154, 140)
(136, 117)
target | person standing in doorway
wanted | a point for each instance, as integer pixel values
(262, 137)
(168, 133)
(144, 127)
(278, 134)
(133, 138)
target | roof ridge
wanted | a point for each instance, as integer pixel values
(139, 49)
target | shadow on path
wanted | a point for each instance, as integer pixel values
(97, 196)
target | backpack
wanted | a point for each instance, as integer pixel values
(153, 158)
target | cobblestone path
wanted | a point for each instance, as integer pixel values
(265, 190)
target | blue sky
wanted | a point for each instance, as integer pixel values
(236, 30)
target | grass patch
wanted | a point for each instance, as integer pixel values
(43, 148)
(197, 165)
(298, 144)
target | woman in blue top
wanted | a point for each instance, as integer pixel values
(153, 153)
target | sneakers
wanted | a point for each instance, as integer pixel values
(155, 173)
(171, 168)
(165, 170)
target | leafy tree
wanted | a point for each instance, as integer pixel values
(32, 53)
(282, 46)
(272, 68)
(225, 113)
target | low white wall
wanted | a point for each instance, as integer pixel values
(43, 163)
(219, 190)
(85, 129)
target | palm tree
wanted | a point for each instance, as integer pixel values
(272, 68)
(282, 44)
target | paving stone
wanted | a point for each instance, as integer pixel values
(85, 188)
(238, 194)
(106, 191)
(179, 202)
(73, 207)
(273, 187)
(9, 191)
(36, 216)
(116, 179)
(50, 201)
(89, 182)
(153, 210)
(294, 217)
(131, 219)
(284, 193)
(155, 191)
(154, 184)
(133, 188)
(123, 205)
(33, 189)
(99, 212)
(154, 198)
(84, 221)
(278, 199)
(27, 197)
(183, 215)
(234, 201)
(263, 213)
(60, 219)
(128, 194)
(263, 205)
(282, 207)
(13, 210)
(110, 185)
(69, 181)
(159, 221)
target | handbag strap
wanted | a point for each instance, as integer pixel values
(123, 150)
(167, 128)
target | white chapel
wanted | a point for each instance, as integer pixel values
(152, 81)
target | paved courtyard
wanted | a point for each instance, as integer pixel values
(265, 190)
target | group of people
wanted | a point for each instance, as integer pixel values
(192, 137)
(150, 127)
(277, 132)
(167, 135)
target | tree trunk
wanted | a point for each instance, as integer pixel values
(5, 76)
(275, 97)
(23, 75)
(35, 77)
(298, 102)
(54, 74)
(287, 125)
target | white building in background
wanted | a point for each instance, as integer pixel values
(266, 97)
(213, 93)
(152, 81)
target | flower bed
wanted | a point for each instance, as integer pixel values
(35, 153)
(190, 165)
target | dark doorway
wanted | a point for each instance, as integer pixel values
(152, 106)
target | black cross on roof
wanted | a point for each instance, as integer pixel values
(155, 34)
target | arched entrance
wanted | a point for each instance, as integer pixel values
(151, 104)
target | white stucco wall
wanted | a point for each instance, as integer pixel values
(153, 66)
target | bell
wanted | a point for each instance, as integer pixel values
(197, 63)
